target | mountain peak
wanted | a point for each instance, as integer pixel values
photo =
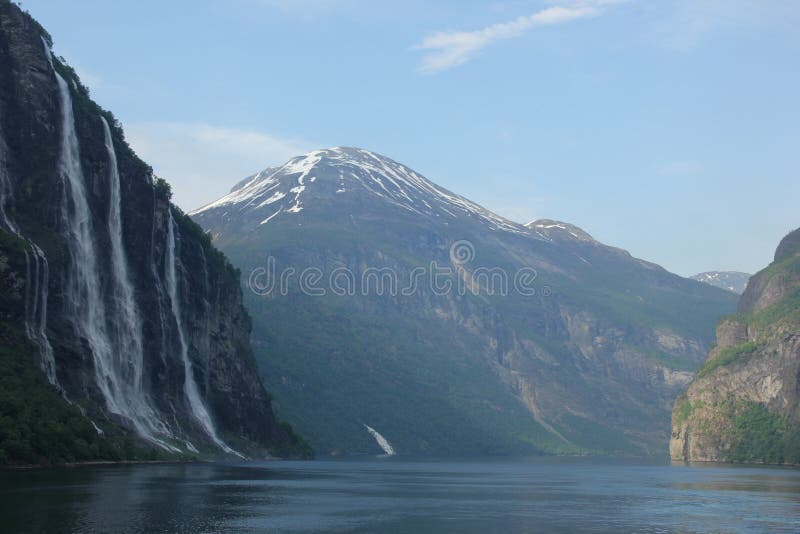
(340, 176)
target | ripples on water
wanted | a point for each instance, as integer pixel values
(402, 496)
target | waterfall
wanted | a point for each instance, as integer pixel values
(207, 313)
(382, 442)
(118, 368)
(37, 280)
(159, 284)
(6, 193)
(128, 324)
(190, 390)
(36, 309)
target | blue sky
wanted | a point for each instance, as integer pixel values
(670, 128)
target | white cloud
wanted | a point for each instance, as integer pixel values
(445, 50)
(202, 161)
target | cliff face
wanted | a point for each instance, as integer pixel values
(743, 404)
(122, 302)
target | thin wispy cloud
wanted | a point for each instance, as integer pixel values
(445, 50)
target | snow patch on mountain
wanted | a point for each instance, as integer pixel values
(729, 280)
(339, 171)
(557, 230)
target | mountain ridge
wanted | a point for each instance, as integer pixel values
(344, 170)
(601, 324)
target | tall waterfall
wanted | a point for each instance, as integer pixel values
(190, 389)
(128, 326)
(162, 316)
(37, 278)
(118, 368)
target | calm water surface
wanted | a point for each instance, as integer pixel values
(402, 496)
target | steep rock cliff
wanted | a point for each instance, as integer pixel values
(744, 403)
(134, 319)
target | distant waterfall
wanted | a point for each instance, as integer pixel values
(37, 279)
(382, 442)
(196, 404)
(118, 368)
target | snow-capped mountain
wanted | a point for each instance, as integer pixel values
(730, 280)
(588, 361)
(345, 175)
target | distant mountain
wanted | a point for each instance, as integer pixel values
(534, 338)
(731, 280)
(744, 403)
(122, 330)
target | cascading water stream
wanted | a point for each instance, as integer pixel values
(37, 281)
(159, 284)
(118, 369)
(128, 326)
(382, 442)
(6, 193)
(207, 312)
(190, 389)
(87, 307)
(36, 310)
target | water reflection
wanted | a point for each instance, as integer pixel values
(397, 495)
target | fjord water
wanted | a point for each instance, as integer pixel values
(392, 495)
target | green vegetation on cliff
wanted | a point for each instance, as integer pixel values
(37, 425)
(744, 402)
(684, 409)
(787, 311)
(760, 436)
(728, 355)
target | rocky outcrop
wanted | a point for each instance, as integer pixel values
(133, 315)
(744, 403)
